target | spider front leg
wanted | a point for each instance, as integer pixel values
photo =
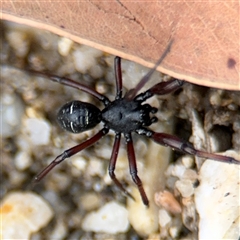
(161, 88)
(70, 152)
(118, 77)
(133, 92)
(133, 168)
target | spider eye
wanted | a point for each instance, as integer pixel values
(78, 116)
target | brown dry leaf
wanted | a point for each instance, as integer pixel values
(206, 34)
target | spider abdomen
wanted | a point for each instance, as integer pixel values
(78, 116)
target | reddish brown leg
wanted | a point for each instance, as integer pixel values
(70, 152)
(112, 165)
(132, 93)
(178, 144)
(133, 169)
(73, 84)
(160, 89)
(166, 87)
(118, 77)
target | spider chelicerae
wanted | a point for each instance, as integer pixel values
(124, 115)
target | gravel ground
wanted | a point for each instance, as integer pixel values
(31, 139)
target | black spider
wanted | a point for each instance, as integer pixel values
(124, 115)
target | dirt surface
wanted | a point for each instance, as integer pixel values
(67, 187)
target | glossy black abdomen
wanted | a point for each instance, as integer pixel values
(77, 116)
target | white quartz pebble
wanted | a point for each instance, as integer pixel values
(11, 113)
(217, 200)
(19, 41)
(185, 187)
(38, 131)
(22, 160)
(64, 46)
(164, 218)
(111, 218)
(84, 58)
(23, 213)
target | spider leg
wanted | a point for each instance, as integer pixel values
(161, 88)
(70, 152)
(118, 77)
(179, 144)
(112, 165)
(74, 84)
(133, 92)
(133, 168)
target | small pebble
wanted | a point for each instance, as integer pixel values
(111, 218)
(95, 168)
(178, 170)
(23, 213)
(22, 160)
(19, 41)
(38, 131)
(185, 187)
(188, 161)
(174, 232)
(215, 98)
(190, 175)
(64, 46)
(168, 201)
(96, 71)
(79, 162)
(90, 201)
(11, 113)
(164, 218)
(60, 230)
(84, 58)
